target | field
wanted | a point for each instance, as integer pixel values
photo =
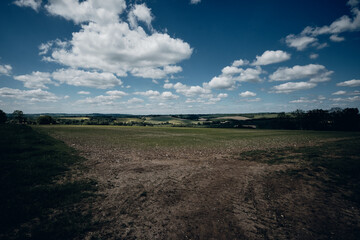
(196, 183)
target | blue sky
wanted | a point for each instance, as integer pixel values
(178, 56)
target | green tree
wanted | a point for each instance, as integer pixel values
(3, 117)
(18, 116)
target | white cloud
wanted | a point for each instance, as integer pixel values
(314, 56)
(107, 43)
(188, 91)
(299, 42)
(5, 69)
(135, 101)
(316, 72)
(98, 100)
(293, 86)
(149, 93)
(222, 95)
(336, 38)
(99, 11)
(140, 12)
(156, 95)
(155, 73)
(348, 99)
(251, 100)
(343, 24)
(83, 93)
(353, 3)
(222, 82)
(168, 96)
(168, 85)
(304, 100)
(116, 93)
(247, 94)
(240, 62)
(34, 4)
(108, 99)
(36, 95)
(270, 57)
(35, 79)
(350, 83)
(322, 77)
(101, 80)
(339, 93)
(195, 1)
(231, 75)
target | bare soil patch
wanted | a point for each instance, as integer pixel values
(212, 193)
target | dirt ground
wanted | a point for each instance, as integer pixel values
(185, 193)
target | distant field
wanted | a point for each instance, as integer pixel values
(201, 183)
(75, 118)
(232, 118)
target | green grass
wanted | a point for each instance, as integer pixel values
(32, 204)
(148, 137)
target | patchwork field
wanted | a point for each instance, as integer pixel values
(194, 183)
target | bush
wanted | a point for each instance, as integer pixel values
(3, 117)
(46, 119)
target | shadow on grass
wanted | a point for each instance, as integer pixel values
(339, 160)
(33, 204)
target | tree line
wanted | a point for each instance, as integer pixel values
(335, 119)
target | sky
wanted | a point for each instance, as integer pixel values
(178, 56)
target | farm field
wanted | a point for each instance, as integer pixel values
(195, 183)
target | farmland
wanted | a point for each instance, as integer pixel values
(201, 183)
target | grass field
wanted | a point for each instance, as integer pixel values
(195, 183)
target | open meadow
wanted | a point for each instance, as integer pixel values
(198, 183)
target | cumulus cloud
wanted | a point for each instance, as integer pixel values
(304, 100)
(188, 91)
(343, 24)
(315, 72)
(83, 93)
(336, 38)
(348, 99)
(135, 101)
(339, 93)
(293, 86)
(116, 93)
(247, 94)
(99, 11)
(155, 73)
(240, 62)
(350, 83)
(34, 4)
(5, 69)
(299, 42)
(195, 1)
(270, 57)
(314, 56)
(108, 99)
(140, 12)
(35, 79)
(231, 75)
(251, 100)
(36, 95)
(151, 94)
(74, 77)
(107, 43)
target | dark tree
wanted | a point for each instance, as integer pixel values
(44, 120)
(3, 117)
(18, 116)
